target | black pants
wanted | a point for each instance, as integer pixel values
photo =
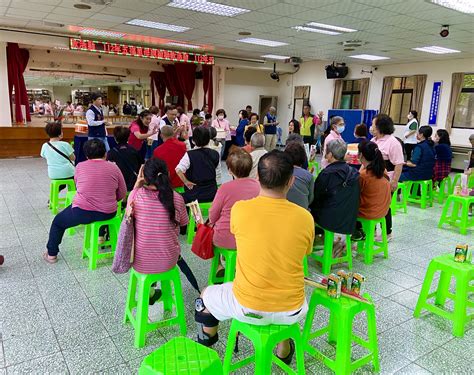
(388, 218)
(227, 146)
(409, 149)
(308, 139)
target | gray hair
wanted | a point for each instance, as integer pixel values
(293, 137)
(257, 140)
(272, 107)
(336, 120)
(338, 149)
(471, 137)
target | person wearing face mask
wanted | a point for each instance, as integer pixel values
(422, 162)
(337, 126)
(409, 136)
(222, 125)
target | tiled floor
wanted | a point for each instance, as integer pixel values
(63, 318)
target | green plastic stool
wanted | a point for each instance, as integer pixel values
(326, 260)
(69, 199)
(191, 231)
(369, 246)
(181, 356)
(264, 339)
(314, 166)
(230, 256)
(142, 283)
(457, 181)
(55, 203)
(395, 205)
(426, 196)
(179, 189)
(91, 245)
(462, 221)
(339, 330)
(464, 274)
(444, 189)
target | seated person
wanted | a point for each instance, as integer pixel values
(360, 133)
(302, 190)
(214, 144)
(295, 137)
(257, 142)
(375, 192)
(171, 151)
(247, 136)
(336, 192)
(443, 155)
(99, 185)
(125, 156)
(58, 154)
(422, 159)
(293, 127)
(273, 237)
(197, 169)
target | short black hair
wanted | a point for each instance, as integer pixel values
(196, 111)
(121, 134)
(207, 116)
(275, 170)
(384, 124)
(360, 130)
(201, 136)
(426, 131)
(297, 153)
(95, 96)
(212, 132)
(249, 132)
(53, 129)
(94, 149)
(244, 113)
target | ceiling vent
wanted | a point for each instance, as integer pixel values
(352, 43)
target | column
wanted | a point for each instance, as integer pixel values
(5, 109)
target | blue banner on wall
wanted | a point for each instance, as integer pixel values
(433, 118)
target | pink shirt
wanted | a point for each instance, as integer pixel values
(184, 120)
(219, 214)
(156, 238)
(222, 124)
(391, 150)
(331, 136)
(134, 141)
(99, 185)
(154, 124)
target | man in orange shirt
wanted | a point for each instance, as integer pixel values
(269, 281)
(171, 151)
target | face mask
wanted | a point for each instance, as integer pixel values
(220, 117)
(371, 131)
(341, 128)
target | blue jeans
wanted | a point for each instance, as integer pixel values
(68, 218)
(103, 139)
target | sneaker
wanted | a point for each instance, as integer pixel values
(378, 238)
(358, 235)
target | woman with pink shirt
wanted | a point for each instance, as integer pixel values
(154, 129)
(223, 130)
(185, 122)
(392, 151)
(337, 126)
(140, 131)
(239, 164)
(100, 185)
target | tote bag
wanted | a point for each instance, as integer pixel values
(124, 251)
(202, 244)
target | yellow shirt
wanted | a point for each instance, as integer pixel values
(273, 236)
(259, 128)
(305, 125)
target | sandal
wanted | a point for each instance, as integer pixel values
(289, 357)
(220, 274)
(155, 297)
(49, 260)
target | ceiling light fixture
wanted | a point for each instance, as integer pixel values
(262, 42)
(104, 33)
(157, 25)
(275, 57)
(436, 50)
(204, 6)
(313, 30)
(369, 57)
(183, 45)
(330, 27)
(463, 6)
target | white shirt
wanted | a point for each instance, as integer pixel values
(256, 155)
(154, 124)
(163, 123)
(412, 138)
(185, 163)
(90, 116)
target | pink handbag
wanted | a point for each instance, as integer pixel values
(124, 251)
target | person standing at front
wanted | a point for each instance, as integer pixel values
(95, 120)
(270, 124)
(410, 131)
(307, 125)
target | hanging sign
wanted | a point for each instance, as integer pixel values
(435, 95)
(118, 49)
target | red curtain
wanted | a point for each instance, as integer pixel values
(172, 83)
(158, 81)
(186, 74)
(208, 86)
(17, 60)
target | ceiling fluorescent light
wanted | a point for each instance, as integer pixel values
(463, 6)
(157, 25)
(313, 30)
(183, 45)
(330, 27)
(105, 33)
(275, 57)
(208, 7)
(369, 57)
(262, 42)
(437, 50)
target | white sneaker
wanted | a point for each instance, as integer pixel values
(378, 238)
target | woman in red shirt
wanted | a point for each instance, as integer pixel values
(139, 132)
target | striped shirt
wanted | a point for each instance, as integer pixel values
(156, 238)
(99, 185)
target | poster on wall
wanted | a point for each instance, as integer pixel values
(434, 106)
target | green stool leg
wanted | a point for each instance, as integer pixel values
(443, 288)
(343, 347)
(327, 252)
(424, 195)
(178, 300)
(230, 344)
(141, 313)
(333, 328)
(230, 266)
(263, 357)
(191, 230)
(131, 302)
(372, 335)
(212, 279)
(464, 218)
(460, 305)
(93, 246)
(349, 252)
(167, 295)
(425, 289)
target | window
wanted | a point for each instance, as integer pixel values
(350, 97)
(464, 114)
(400, 101)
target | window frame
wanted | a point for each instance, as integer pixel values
(463, 90)
(402, 90)
(352, 93)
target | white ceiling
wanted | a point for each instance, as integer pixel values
(390, 27)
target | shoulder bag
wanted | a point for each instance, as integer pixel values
(61, 153)
(124, 252)
(202, 243)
